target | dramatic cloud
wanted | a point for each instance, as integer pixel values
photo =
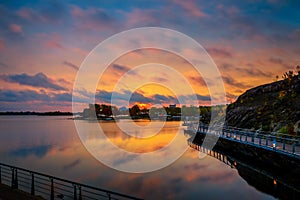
(231, 97)
(22, 96)
(218, 52)
(51, 12)
(105, 96)
(253, 72)
(15, 28)
(138, 97)
(38, 80)
(197, 80)
(161, 80)
(276, 60)
(31, 95)
(162, 99)
(139, 17)
(120, 68)
(203, 98)
(248, 71)
(54, 41)
(54, 44)
(71, 65)
(190, 7)
(93, 19)
(65, 97)
(256, 39)
(71, 165)
(121, 97)
(232, 82)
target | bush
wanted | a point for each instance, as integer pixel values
(284, 130)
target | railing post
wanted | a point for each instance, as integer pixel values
(12, 178)
(252, 139)
(75, 192)
(52, 189)
(294, 147)
(240, 136)
(32, 184)
(246, 137)
(80, 195)
(109, 196)
(283, 145)
(266, 141)
(16, 179)
(0, 176)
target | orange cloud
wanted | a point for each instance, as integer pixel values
(54, 44)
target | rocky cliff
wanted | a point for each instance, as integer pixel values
(269, 107)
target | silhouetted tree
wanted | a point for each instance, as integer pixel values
(134, 110)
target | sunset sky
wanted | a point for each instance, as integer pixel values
(43, 44)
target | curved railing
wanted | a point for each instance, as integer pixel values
(284, 143)
(50, 187)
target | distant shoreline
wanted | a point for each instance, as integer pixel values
(54, 113)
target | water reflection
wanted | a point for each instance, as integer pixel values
(38, 151)
(141, 142)
(265, 181)
(187, 178)
(123, 152)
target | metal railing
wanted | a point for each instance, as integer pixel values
(287, 144)
(221, 157)
(50, 187)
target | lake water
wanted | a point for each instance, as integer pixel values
(51, 145)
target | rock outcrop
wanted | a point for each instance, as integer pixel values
(268, 107)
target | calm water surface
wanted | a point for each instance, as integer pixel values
(51, 145)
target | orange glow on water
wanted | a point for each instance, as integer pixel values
(141, 145)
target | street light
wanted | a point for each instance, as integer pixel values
(274, 144)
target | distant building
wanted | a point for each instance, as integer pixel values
(172, 106)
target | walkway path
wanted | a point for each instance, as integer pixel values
(284, 144)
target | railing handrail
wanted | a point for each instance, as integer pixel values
(251, 132)
(70, 182)
(290, 146)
